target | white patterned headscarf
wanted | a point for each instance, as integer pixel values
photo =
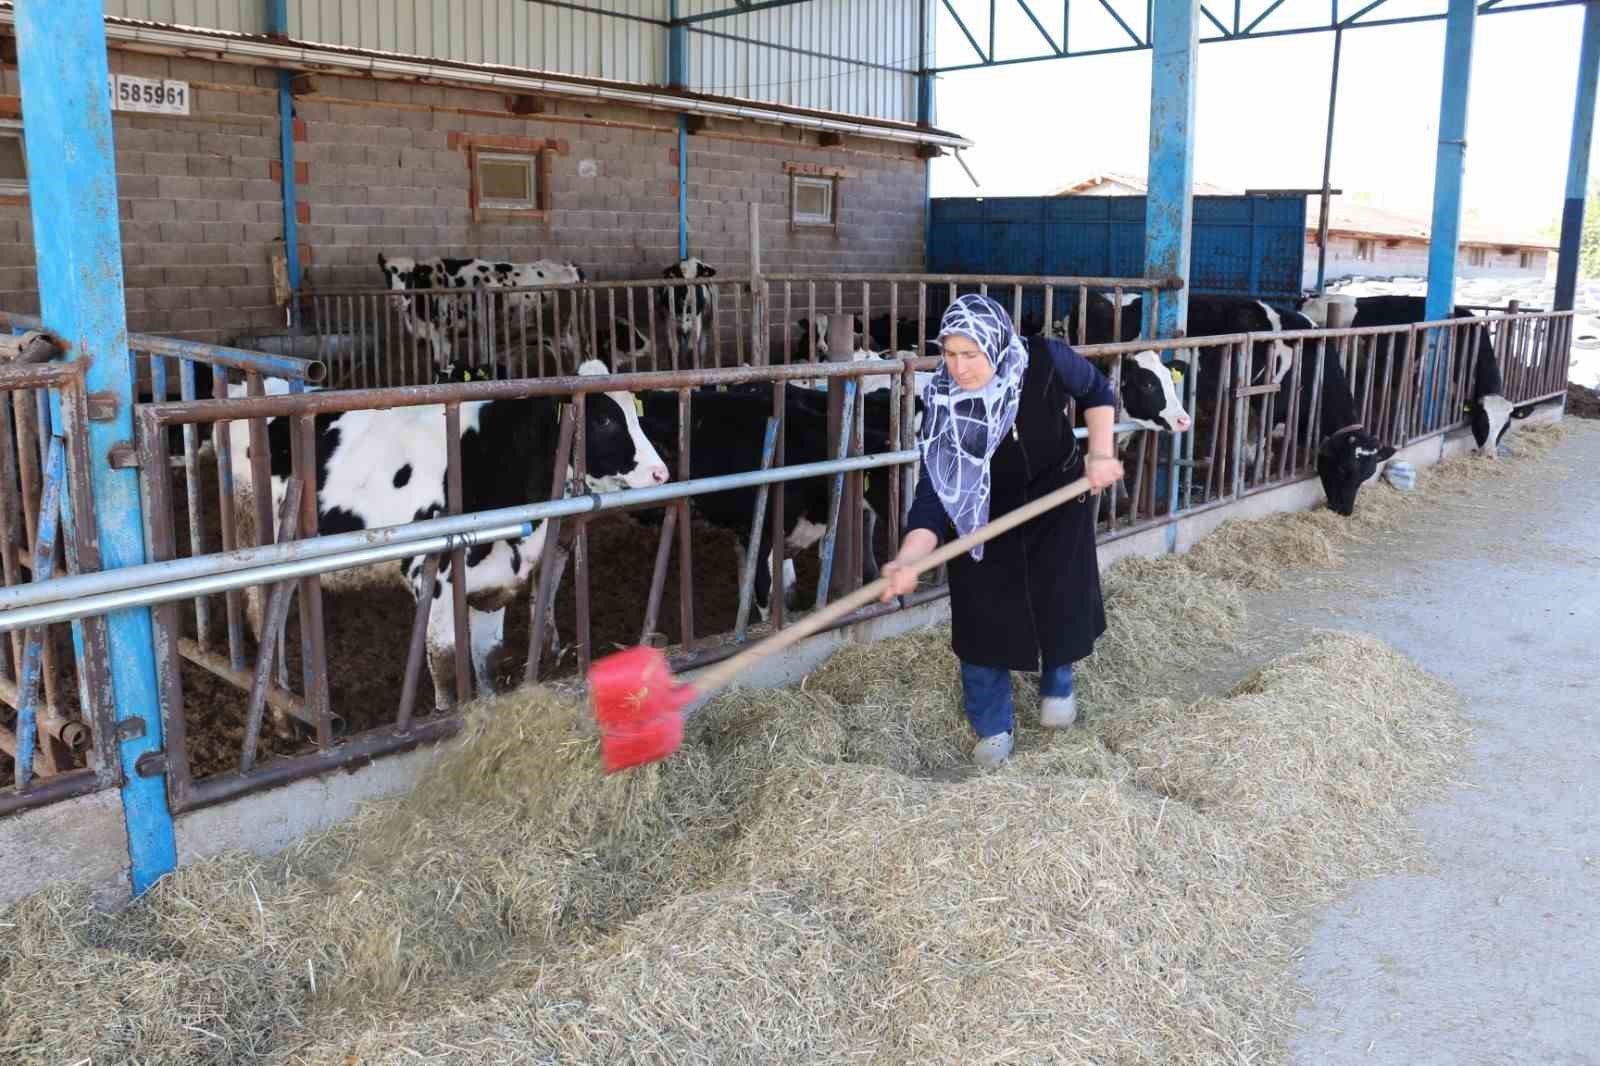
(960, 429)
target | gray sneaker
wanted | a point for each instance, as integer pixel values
(1058, 712)
(991, 752)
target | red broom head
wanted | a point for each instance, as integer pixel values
(637, 706)
(642, 742)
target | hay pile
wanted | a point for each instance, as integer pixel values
(1582, 402)
(1315, 772)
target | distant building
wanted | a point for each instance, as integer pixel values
(1368, 241)
(1371, 242)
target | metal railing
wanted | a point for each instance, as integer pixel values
(291, 714)
(387, 337)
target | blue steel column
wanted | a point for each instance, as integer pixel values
(678, 78)
(1578, 160)
(66, 110)
(278, 25)
(1169, 206)
(1444, 237)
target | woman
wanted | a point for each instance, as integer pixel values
(994, 437)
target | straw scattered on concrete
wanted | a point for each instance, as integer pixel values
(1314, 758)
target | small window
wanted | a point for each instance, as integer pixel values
(1524, 260)
(1477, 256)
(812, 201)
(508, 182)
(1367, 250)
(13, 160)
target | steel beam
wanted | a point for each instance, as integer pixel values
(1578, 161)
(1327, 167)
(678, 78)
(66, 108)
(278, 25)
(1169, 203)
(1247, 33)
(1449, 168)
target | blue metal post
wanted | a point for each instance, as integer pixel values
(1449, 167)
(678, 78)
(1169, 205)
(1578, 161)
(278, 25)
(66, 109)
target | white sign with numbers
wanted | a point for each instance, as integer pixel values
(155, 95)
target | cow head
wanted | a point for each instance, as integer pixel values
(1489, 418)
(689, 306)
(619, 454)
(819, 328)
(1347, 460)
(403, 272)
(1150, 394)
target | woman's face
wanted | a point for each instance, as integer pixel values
(966, 361)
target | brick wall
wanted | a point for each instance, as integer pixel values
(388, 173)
(381, 168)
(201, 212)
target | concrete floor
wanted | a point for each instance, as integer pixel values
(1493, 956)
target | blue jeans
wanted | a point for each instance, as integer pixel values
(986, 692)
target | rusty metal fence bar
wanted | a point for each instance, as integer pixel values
(74, 722)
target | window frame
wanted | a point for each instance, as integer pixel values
(536, 154)
(11, 187)
(1477, 257)
(1524, 259)
(816, 181)
(1366, 249)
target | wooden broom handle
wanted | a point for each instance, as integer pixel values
(724, 672)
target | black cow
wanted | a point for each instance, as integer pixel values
(387, 468)
(1489, 413)
(727, 430)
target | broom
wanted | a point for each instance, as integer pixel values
(638, 705)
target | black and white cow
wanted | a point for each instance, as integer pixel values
(1489, 413)
(436, 319)
(1348, 454)
(387, 468)
(689, 308)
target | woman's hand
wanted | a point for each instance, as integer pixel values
(1102, 471)
(902, 581)
(901, 571)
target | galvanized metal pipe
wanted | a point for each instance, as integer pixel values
(485, 526)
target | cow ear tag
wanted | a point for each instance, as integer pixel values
(1177, 375)
(638, 406)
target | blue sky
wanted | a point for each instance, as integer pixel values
(1262, 111)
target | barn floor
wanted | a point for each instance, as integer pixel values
(1487, 958)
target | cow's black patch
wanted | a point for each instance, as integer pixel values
(338, 520)
(402, 476)
(504, 268)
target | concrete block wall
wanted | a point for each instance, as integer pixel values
(201, 209)
(390, 173)
(381, 167)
